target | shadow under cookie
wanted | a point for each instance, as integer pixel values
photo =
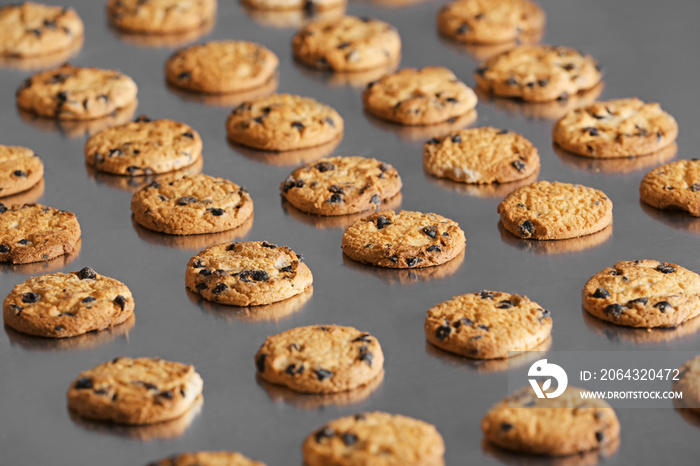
(42, 267)
(616, 165)
(41, 62)
(589, 458)
(30, 196)
(193, 242)
(282, 19)
(491, 190)
(338, 221)
(482, 52)
(164, 40)
(423, 132)
(357, 79)
(287, 158)
(675, 218)
(561, 246)
(132, 184)
(231, 99)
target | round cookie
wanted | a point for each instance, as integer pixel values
(247, 274)
(320, 359)
(616, 128)
(221, 67)
(689, 384)
(207, 458)
(481, 156)
(160, 16)
(64, 305)
(643, 293)
(20, 169)
(33, 29)
(309, 6)
(419, 96)
(560, 426)
(283, 122)
(538, 73)
(144, 147)
(489, 22)
(347, 44)
(675, 185)
(190, 205)
(341, 185)
(33, 233)
(73, 93)
(403, 240)
(551, 211)
(135, 391)
(376, 438)
(487, 324)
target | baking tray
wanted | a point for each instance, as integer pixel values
(647, 48)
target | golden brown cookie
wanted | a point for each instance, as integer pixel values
(308, 6)
(616, 128)
(221, 67)
(20, 169)
(487, 324)
(538, 73)
(347, 44)
(247, 274)
(675, 185)
(550, 211)
(135, 391)
(160, 16)
(33, 29)
(488, 21)
(320, 359)
(377, 439)
(419, 96)
(481, 156)
(403, 240)
(341, 185)
(33, 233)
(643, 293)
(283, 122)
(64, 305)
(560, 426)
(73, 93)
(144, 147)
(207, 458)
(191, 205)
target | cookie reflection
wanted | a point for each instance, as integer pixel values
(616, 165)
(423, 133)
(589, 458)
(266, 313)
(192, 242)
(289, 157)
(280, 394)
(690, 417)
(394, 4)
(358, 79)
(81, 342)
(134, 183)
(541, 110)
(491, 190)
(41, 62)
(338, 221)
(641, 336)
(160, 431)
(544, 247)
(482, 52)
(29, 196)
(40, 268)
(407, 276)
(676, 219)
(491, 365)
(232, 99)
(164, 40)
(282, 19)
(79, 128)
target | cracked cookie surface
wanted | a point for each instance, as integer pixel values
(160, 16)
(551, 211)
(643, 293)
(675, 185)
(320, 359)
(403, 239)
(64, 305)
(20, 169)
(247, 274)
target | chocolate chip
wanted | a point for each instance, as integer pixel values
(323, 374)
(563, 96)
(335, 189)
(260, 362)
(591, 131)
(30, 298)
(293, 369)
(83, 383)
(142, 119)
(349, 439)
(330, 121)
(665, 268)
(120, 301)
(518, 165)
(286, 269)
(3, 209)
(323, 432)
(366, 356)
(216, 212)
(614, 309)
(335, 199)
(433, 141)
(463, 321)
(167, 395)
(601, 293)
(58, 328)
(101, 391)
(505, 427)
(265, 244)
(205, 272)
(503, 131)
(18, 309)
(324, 166)
(188, 134)
(484, 327)
(394, 259)
(451, 100)
(511, 82)
(526, 228)
(382, 222)
(411, 261)
(434, 248)
(430, 231)
(20, 173)
(695, 187)
(481, 71)
(599, 436)
(298, 125)
(365, 337)
(375, 200)
(443, 332)
(632, 302)
(505, 304)
(201, 286)
(184, 75)
(23, 242)
(4, 249)
(463, 29)
(309, 7)
(486, 294)
(220, 288)
(186, 200)
(89, 299)
(663, 306)
(86, 273)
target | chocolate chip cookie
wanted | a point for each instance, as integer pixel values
(675, 185)
(191, 205)
(403, 240)
(62, 305)
(487, 324)
(419, 96)
(221, 67)
(552, 211)
(538, 73)
(160, 16)
(481, 156)
(135, 391)
(643, 293)
(341, 185)
(282, 122)
(74, 93)
(20, 169)
(320, 359)
(247, 274)
(33, 233)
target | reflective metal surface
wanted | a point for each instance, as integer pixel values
(648, 49)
